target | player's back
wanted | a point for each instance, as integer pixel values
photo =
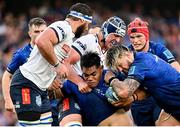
(160, 79)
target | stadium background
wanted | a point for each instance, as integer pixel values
(163, 17)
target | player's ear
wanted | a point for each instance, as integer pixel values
(29, 33)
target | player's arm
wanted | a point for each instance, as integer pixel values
(45, 42)
(176, 65)
(166, 55)
(6, 79)
(124, 88)
(73, 58)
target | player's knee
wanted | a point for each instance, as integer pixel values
(46, 119)
(70, 119)
(73, 124)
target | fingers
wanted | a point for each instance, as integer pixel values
(85, 90)
(56, 84)
(10, 108)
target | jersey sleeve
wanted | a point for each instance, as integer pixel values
(165, 54)
(15, 63)
(81, 45)
(69, 88)
(137, 71)
(59, 31)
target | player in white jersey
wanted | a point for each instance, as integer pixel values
(112, 32)
(29, 84)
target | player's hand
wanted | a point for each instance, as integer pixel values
(9, 105)
(56, 84)
(111, 95)
(108, 76)
(62, 71)
(123, 102)
(83, 87)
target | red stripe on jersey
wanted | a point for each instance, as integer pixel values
(26, 98)
(66, 104)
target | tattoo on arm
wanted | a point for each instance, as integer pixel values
(132, 85)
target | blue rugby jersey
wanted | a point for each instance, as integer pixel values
(159, 50)
(19, 58)
(159, 78)
(94, 105)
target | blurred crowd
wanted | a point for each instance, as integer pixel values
(164, 28)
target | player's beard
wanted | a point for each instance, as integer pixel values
(80, 31)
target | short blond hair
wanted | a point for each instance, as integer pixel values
(113, 54)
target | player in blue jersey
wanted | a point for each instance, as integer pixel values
(146, 112)
(149, 71)
(36, 26)
(93, 106)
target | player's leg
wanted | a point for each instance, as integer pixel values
(46, 114)
(26, 97)
(166, 119)
(69, 114)
(119, 118)
(25, 105)
(143, 112)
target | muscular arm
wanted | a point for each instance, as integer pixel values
(125, 88)
(73, 58)
(176, 65)
(6, 79)
(45, 42)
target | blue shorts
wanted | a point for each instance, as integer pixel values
(68, 106)
(26, 96)
(145, 112)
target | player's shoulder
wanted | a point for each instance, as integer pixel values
(89, 38)
(61, 25)
(142, 55)
(156, 45)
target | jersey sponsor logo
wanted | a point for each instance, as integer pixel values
(168, 54)
(84, 47)
(66, 104)
(132, 70)
(38, 100)
(62, 32)
(26, 98)
(17, 105)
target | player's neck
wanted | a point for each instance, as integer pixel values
(146, 47)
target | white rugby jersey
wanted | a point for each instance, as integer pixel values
(37, 69)
(85, 44)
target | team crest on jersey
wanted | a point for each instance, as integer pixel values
(132, 69)
(38, 100)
